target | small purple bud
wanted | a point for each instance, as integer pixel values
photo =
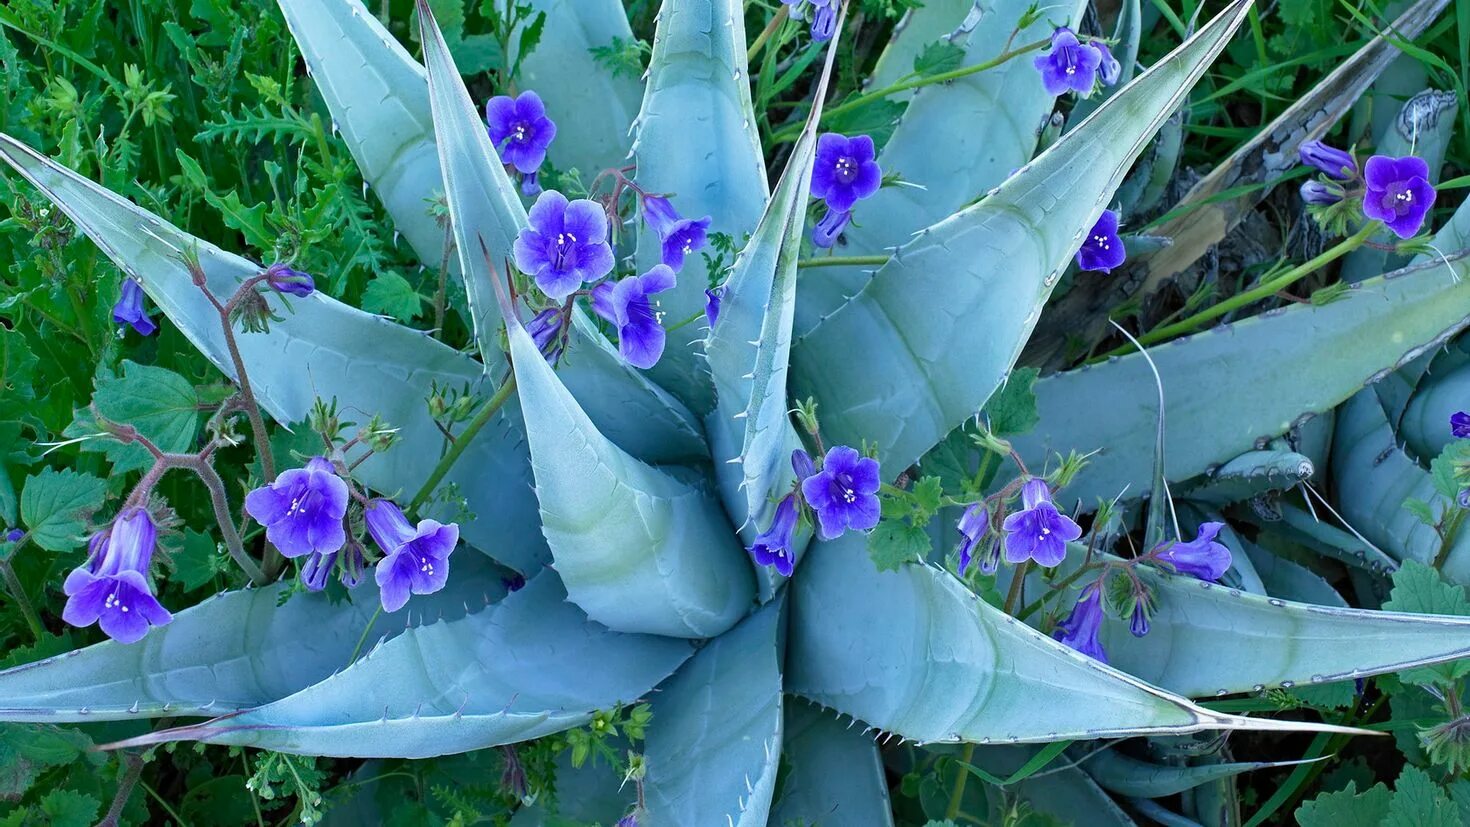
(283, 279)
(712, 299)
(544, 327)
(830, 228)
(1321, 192)
(775, 547)
(629, 820)
(1463, 498)
(1138, 623)
(316, 570)
(1460, 424)
(1080, 628)
(801, 463)
(129, 308)
(659, 213)
(531, 184)
(1110, 69)
(354, 564)
(972, 526)
(13, 535)
(990, 560)
(824, 19)
(1334, 162)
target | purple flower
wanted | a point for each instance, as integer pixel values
(111, 588)
(844, 493)
(1333, 162)
(1109, 70)
(129, 308)
(1460, 424)
(317, 568)
(283, 279)
(1038, 532)
(1079, 629)
(830, 228)
(631, 819)
(417, 556)
(686, 236)
(564, 245)
(531, 184)
(712, 298)
(1102, 249)
(639, 322)
(1201, 557)
(544, 327)
(972, 527)
(801, 463)
(1138, 621)
(12, 535)
(774, 546)
(1399, 193)
(1463, 498)
(353, 564)
(1069, 64)
(520, 130)
(302, 510)
(659, 213)
(844, 172)
(1321, 193)
(824, 16)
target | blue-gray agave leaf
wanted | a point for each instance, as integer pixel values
(640, 550)
(713, 755)
(528, 666)
(1425, 425)
(1289, 580)
(916, 653)
(749, 350)
(944, 320)
(955, 141)
(1063, 792)
(1227, 387)
(626, 405)
(320, 347)
(237, 650)
(1251, 474)
(835, 773)
(593, 107)
(1119, 773)
(696, 138)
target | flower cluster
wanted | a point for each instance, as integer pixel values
(1395, 191)
(1069, 65)
(112, 588)
(845, 172)
(305, 513)
(521, 133)
(842, 495)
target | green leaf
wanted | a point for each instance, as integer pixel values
(66, 808)
(829, 767)
(854, 630)
(1442, 469)
(1125, 775)
(639, 549)
(896, 542)
(55, 506)
(515, 671)
(235, 651)
(17, 374)
(939, 56)
(161, 404)
(943, 322)
(199, 561)
(28, 751)
(928, 497)
(1012, 409)
(390, 294)
(1418, 802)
(1346, 808)
(697, 140)
(1419, 589)
(719, 767)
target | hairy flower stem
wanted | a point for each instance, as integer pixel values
(132, 770)
(790, 133)
(206, 473)
(842, 261)
(461, 442)
(1018, 584)
(1265, 289)
(18, 594)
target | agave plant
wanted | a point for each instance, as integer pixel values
(628, 499)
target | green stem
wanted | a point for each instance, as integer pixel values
(765, 35)
(1018, 582)
(1264, 290)
(791, 132)
(842, 261)
(957, 796)
(357, 650)
(1055, 589)
(690, 320)
(12, 584)
(461, 442)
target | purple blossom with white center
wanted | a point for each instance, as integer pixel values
(1460, 424)
(684, 238)
(1331, 161)
(774, 547)
(712, 298)
(302, 510)
(283, 279)
(1038, 532)
(1109, 69)
(520, 130)
(1399, 193)
(1079, 629)
(844, 494)
(1201, 557)
(1069, 64)
(637, 317)
(129, 308)
(830, 228)
(564, 244)
(845, 171)
(1321, 193)
(1102, 250)
(417, 558)
(972, 527)
(111, 589)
